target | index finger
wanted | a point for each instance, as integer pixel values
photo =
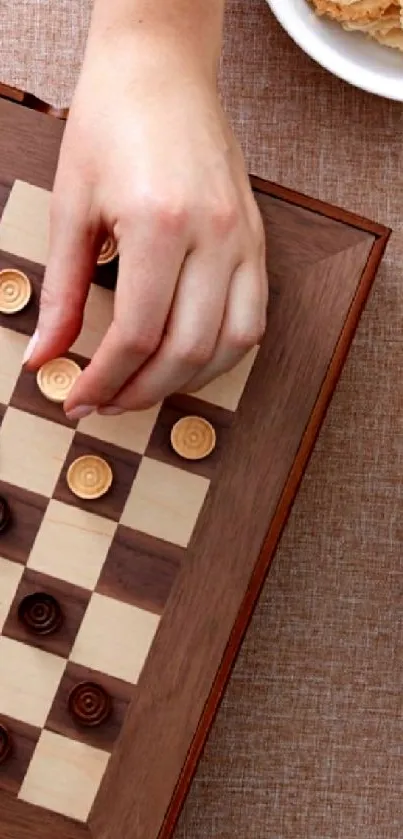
(148, 272)
(70, 265)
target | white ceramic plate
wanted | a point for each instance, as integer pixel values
(349, 55)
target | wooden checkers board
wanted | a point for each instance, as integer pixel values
(120, 617)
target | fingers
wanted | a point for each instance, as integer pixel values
(181, 316)
(72, 256)
(191, 335)
(246, 311)
(148, 270)
(243, 327)
(212, 326)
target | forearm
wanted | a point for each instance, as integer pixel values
(192, 27)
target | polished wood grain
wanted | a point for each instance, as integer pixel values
(28, 510)
(321, 263)
(24, 821)
(22, 130)
(30, 101)
(11, 93)
(23, 741)
(306, 319)
(140, 569)
(4, 194)
(267, 553)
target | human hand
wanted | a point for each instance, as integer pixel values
(149, 156)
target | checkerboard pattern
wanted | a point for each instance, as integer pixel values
(110, 564)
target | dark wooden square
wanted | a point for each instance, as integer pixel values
(71, 600)
(173, 409)
(106, 275)
(63, 722)
(27, 396)
(5, 189)
(26, 320)
(140, 569)
(23, 740)
(124, 465)
(27, 512)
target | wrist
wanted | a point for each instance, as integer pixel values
(187, 31)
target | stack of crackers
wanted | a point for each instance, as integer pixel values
(381, 19)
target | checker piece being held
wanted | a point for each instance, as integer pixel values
(149, 157)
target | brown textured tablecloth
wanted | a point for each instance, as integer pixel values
(309, 740)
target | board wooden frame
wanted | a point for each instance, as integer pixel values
(159, 796)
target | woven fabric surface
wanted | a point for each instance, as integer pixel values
(308, 742)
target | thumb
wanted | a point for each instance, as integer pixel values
(70, 266)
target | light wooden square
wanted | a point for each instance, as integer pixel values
(10, 576)
(24, 226)
(29, 679)
(64, 776)
(33, 451)
(12, 348)
(226, 391)
(130, 431)
(97, 318)
(82, 538)
(115, 638)
(165, 501)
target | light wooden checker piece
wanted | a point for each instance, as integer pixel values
(116, 611)
(108, 252)
(15, 291)
(57, 377)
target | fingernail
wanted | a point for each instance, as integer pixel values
(80, 412)
(30, 347)
(111, 411)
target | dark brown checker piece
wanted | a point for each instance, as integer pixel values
(24, 321)
(89, 704)
(173, 409)
(71, 696)
(140, 569)
(106, 275)
(321, 263)
(28, 397)
(40, 613)
(6, 743)
(46, 613)
(17, 745)
(27, 510)
(5, 514)
(124, 465)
